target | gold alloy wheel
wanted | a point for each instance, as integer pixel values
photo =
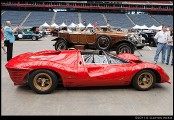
(145, 80)
(42, 81)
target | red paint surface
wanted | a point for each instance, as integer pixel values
(75, 73)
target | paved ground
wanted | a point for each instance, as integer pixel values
(88, 101)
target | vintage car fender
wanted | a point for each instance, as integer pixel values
(57, 39)
(126, 41)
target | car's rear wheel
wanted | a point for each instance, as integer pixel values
(61, 45)
(103, 42)
(34, 38)
(43, 81)
(144, 80)
(124, 48)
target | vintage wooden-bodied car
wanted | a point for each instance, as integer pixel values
(101, 40)
(44, 70)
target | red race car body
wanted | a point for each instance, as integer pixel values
(75, 68)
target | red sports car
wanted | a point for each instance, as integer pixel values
(44, 70)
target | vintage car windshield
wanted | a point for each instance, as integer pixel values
(112, 59)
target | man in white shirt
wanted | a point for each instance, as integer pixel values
(161, 38)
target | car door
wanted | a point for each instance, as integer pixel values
(29, 35)
(96, 67)
(74, 38)
(119, 70)
(87, 38)
(102, 72)
(24, 35)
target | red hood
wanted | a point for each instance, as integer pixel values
(130, 57)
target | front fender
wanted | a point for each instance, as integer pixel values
(127, 41)
(58, 38)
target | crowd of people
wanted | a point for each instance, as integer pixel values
(164, 40)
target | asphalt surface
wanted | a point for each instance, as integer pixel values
(21, 100)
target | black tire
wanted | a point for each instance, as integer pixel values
(49, 83)
(34, 38)
(125, 48)
(60, 45)
(145, 85)
(152, 43)
(103, 42)
(140, 47)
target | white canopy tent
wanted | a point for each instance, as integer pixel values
(81, 25)
(136, 27)
(89, 26)
(63, 25)
(143, 27)
(140, 27)
(45, 25)
(54, 25)
(153, 27)
(72, 25)
(159, 28)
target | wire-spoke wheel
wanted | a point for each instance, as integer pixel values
(144, 80)
(43, 81)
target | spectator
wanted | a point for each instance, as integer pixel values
(161, 38)
(2, 39)
(108, 27)
(9, 36)
(95, 25)
(84, 23)
(170, 46)
(37, 30)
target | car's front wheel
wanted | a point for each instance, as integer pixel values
(125, 48)
(34, 38)
(43, 81)
(60, 45)
(144, 80)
